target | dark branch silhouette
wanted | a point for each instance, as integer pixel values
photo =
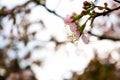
(104, 37)
(109, 11)
(117, 1)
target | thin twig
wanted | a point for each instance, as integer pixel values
(109, 11)
(51, 11)
(16, 9)
(117, 1)
(104, 37)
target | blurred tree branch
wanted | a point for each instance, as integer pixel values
(104, 37)
(49, 10)
(17, 9)
(117, 1)
(109, 11)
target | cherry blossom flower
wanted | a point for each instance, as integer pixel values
(75, 37)
(69, 21)
(74, 28)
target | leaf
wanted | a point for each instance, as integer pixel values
(76, 17)
(82, 28)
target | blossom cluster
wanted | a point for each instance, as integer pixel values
(73, 21)
(75, 28)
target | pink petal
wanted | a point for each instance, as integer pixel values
(73, 14)
(73, 27)
(84, 38)
(77, 35)
(68, 20)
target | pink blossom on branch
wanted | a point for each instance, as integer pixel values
(70, 21)
(74, 27)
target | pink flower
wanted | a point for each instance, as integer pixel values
(69, 21)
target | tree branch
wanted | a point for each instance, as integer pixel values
(117, 1)
(109, 11)
(51, 11)
(17, 9)
(104, 37)
(44, 5)
(103, 14)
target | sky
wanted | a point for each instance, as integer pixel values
(60, 64)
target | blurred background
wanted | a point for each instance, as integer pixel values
(35, 45)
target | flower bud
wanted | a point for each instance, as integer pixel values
(86, 3)
(105, 4)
